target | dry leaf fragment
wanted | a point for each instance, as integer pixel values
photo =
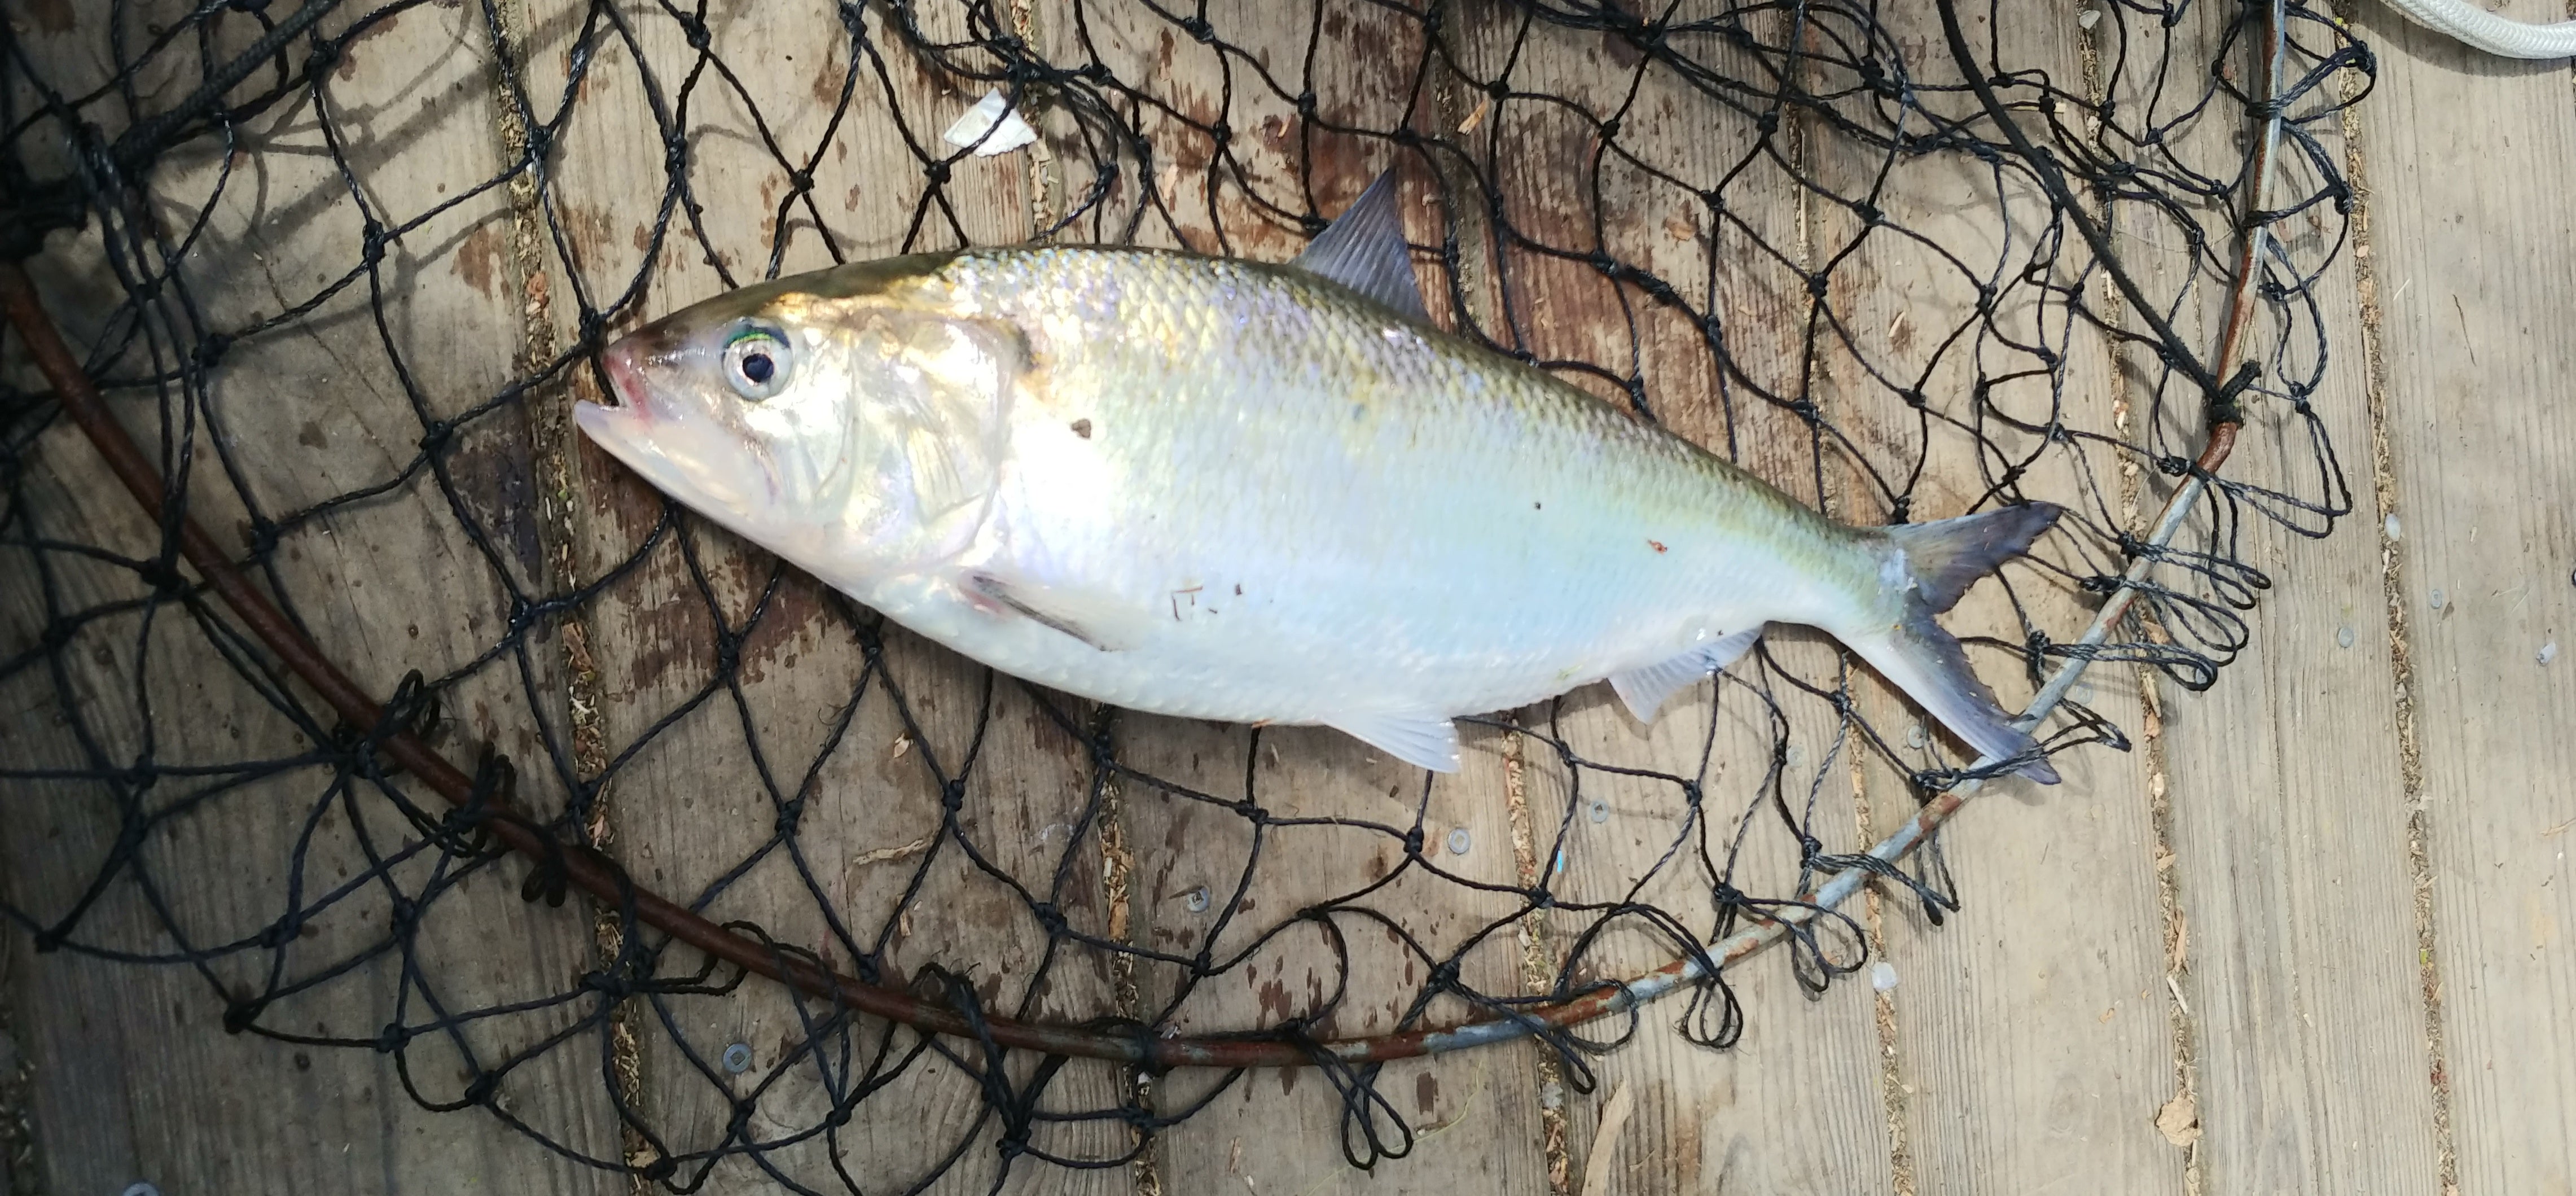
(2179, 1121)
(1596, 1165)
(1484, 105)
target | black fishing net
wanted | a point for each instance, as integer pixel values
(341, 269)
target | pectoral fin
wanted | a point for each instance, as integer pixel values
(1102, 622)
(1421, 740)
(1646, 690)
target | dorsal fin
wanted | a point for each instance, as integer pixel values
(1364, 249)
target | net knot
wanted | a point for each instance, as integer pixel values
(936, 172)
(211, 349)
(1413, 842)
(800, 181)
(610, 984)
(1444, 976)
(1050, 919)
(248, 6)
(435, 438)
(1868, 212)
(239, 1014)
(695, 31)
(1221, 132)
(164, 580)
(952, 795)
(2173, 466)
(391, 1038)
(1198, 27)
(479, 1090)
(281, 932)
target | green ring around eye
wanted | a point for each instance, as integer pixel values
(757, 362)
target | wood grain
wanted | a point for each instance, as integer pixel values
(2030, 1044)
(2470, 161)
(2288, 810)
(1248, 938)
(136, 1078)
(853, 754)
(1790, 1107)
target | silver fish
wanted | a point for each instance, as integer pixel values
(1259, 493)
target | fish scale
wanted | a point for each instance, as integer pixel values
(1417, 471)
(1267, 493)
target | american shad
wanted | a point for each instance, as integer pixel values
(1263, 493)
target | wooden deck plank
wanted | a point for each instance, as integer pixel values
(135, 1079)
(2288, 807)
(1474, 1118)
(2471, 160)
(696, 802)
(1788, 1108)
(2030, 1043)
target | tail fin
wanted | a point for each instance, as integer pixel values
(1942, 560)
(1946, 556)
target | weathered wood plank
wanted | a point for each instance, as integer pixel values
(2471, 160)
(136, 1079)
(708, 793)
(1791, 1107)
(2025, 1010)
(1474, 1118)
(2288, 815)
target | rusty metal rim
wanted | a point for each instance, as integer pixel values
(595, 875)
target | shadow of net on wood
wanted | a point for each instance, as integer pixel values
(597, 776)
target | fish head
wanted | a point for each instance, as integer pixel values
(851, 421)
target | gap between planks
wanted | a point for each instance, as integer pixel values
(2183, 1030)
(547, 410)
(2410, 758)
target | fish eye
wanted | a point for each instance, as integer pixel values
(756, 361)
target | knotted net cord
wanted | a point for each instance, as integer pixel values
(1622, 227)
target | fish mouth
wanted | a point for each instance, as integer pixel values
(666, 440)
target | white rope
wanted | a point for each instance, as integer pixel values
(2477, 28)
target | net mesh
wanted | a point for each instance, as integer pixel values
(342, 269)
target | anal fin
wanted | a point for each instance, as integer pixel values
(1646, 690)
(1421, 740)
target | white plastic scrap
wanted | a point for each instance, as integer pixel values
(2549, 652)
(991, 114)
(1882, 975)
